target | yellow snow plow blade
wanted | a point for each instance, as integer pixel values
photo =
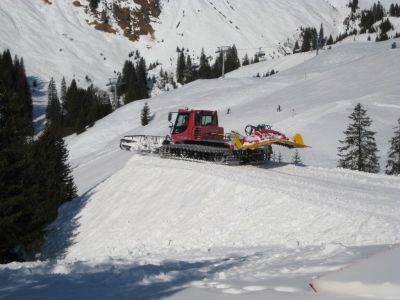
(295, 142)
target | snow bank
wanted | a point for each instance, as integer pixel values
(155, 205)
(377, 276)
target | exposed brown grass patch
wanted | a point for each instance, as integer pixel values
(103, 27)
(47, 2)
(77, 3)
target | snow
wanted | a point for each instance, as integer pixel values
(57, 40)
(150, 228)
(316, 98)
(266, 207)
(377, 276)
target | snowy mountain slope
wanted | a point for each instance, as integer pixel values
(316, 97)
(321, 110)
(251, 233)
(149, 228)
(56, 40)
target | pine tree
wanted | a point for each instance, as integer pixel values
(384, 27)
(26, 204)
(393, 163)
(330, 40)
(188, 72)
(246, 60)
(131, 80)
(63, 91)
(53, 114)
(306, 46)
(180, 67)
(93, 4)
(145, 115)
(232, 60)
(15, 182)
(71, 106)
(141, 75)
(321, 37)
(296, 47)
(204, 68)
(359, 151)
(353, 5)
(296, 160)
(256, 59)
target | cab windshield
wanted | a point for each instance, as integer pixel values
(181, 123)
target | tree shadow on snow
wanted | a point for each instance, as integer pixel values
(62, 231)
(272, 165)
(112, 280)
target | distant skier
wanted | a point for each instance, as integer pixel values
(228, 111)
(279, 109)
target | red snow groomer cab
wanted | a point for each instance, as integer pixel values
(196, 127)
(195, 134)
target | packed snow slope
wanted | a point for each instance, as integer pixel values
(147, 204)
(316, 94)
(158, 206)
(377, 276)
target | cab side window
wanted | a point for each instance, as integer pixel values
(205, 120)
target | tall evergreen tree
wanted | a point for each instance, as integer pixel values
(246, 60)
(330, 40)
(353, 4)
(189, 75)
(141, 75)
(180, 67)
(82, 108)
(384, 27)
(53, 115)
(204, 68)
(393, 163)
(321, 37)
(16, 162)
(232, 60)
(63, 90)
(145, 115)
(359, 150)
(296, 47)
(309, 39)
(24, 182)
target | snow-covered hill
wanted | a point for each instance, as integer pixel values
(60, 39)
(149, 228)
(316, 95)
(57, 39)
(175, 229)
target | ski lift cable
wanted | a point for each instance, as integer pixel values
(255, 48)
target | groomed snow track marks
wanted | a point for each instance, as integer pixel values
(174, 206)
